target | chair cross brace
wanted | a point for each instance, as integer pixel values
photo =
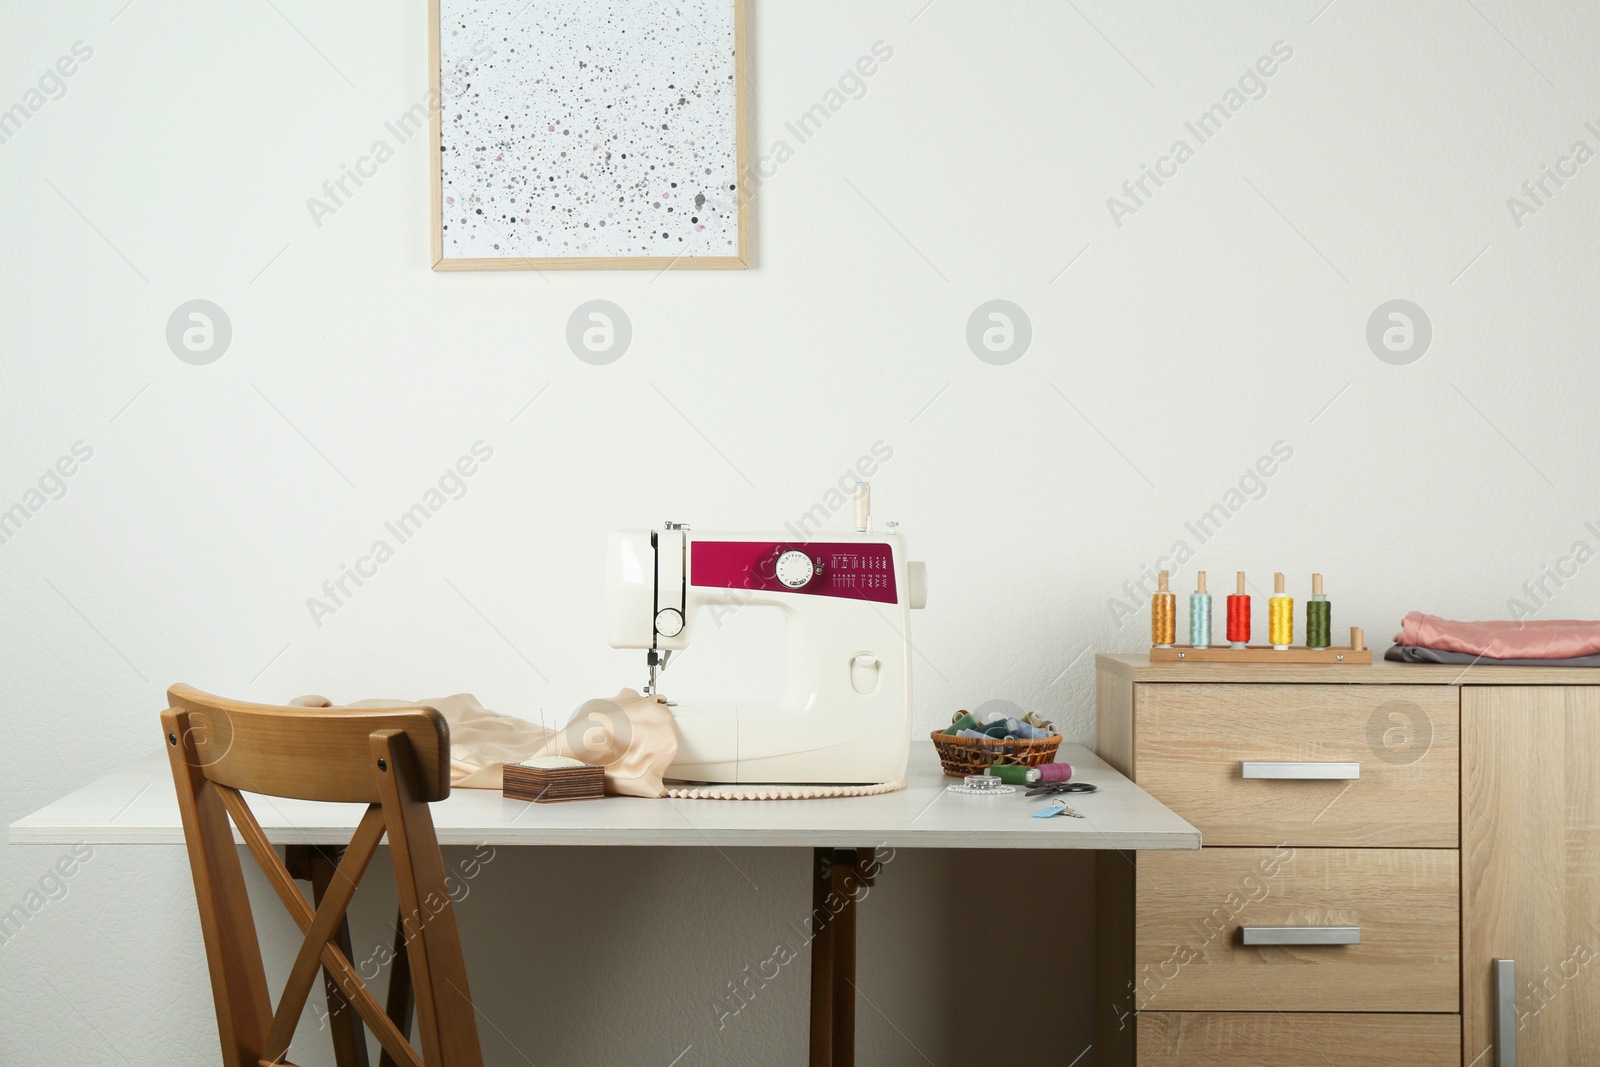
(320, 927)
(316, 864)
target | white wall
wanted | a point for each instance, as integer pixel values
(1226, 314)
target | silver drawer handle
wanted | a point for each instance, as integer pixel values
(1505, 1013)
(1324, 771)
(1301, 935)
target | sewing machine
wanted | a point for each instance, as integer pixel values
(845, 713)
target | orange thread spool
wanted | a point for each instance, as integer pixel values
(1163, 615)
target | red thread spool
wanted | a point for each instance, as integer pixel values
(1054, 772)
(1239, 619)
(1239, 615)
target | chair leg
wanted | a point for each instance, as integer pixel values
(316, 864)
(400, 1001)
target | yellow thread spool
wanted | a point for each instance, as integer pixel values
(1163, 615)
(1280, 616)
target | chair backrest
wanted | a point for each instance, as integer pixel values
(394, 760)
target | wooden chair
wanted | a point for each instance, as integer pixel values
(395, 761)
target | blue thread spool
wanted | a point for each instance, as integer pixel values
(1200, 614)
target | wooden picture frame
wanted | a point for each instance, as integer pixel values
(682, 261)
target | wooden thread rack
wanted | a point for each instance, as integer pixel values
(1356, 652)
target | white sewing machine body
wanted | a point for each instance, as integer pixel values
(845, 712)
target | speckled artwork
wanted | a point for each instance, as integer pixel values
(574, 129)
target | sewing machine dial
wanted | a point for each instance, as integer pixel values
(794, 569)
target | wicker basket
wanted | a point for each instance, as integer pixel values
(962, 756)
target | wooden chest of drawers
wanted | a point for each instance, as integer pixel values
(1374, 840)
(1194, 741)
(1399, 909)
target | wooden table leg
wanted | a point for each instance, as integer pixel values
(822, 966)
(838, 878)
(844, 961)
(316, 864)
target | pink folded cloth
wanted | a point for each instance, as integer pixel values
(1531, 639)
(635, 738)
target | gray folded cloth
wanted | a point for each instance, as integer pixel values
(1423, 654)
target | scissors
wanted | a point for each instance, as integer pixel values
(1060, 787)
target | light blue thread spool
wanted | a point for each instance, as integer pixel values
(1200, 617)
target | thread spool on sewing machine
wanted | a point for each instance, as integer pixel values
(1281, 648)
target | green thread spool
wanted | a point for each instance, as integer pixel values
(1319, 617)
(1008, 773)
(964, 721)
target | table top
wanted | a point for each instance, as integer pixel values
(137, 806)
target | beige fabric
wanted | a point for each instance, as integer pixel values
(632, 736)
(692, 791)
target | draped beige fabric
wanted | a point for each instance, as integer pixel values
(632, 736)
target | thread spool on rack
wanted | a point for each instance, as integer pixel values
(1239, 616)
(1280, 616)
(1318, 647)
(1319, 616)
(1163, 615)
(1200, 613)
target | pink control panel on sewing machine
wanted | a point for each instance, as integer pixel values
(849, 569)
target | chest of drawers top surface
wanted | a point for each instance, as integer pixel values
(1137, 666)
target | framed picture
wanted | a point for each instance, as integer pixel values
(588, 134)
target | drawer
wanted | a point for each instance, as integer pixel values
(1191, 910)
(1192, 741)
(1249, 1039)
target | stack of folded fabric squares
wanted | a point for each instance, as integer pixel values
(550, 779)
(1528, 642)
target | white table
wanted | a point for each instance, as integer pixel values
(138, 806)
